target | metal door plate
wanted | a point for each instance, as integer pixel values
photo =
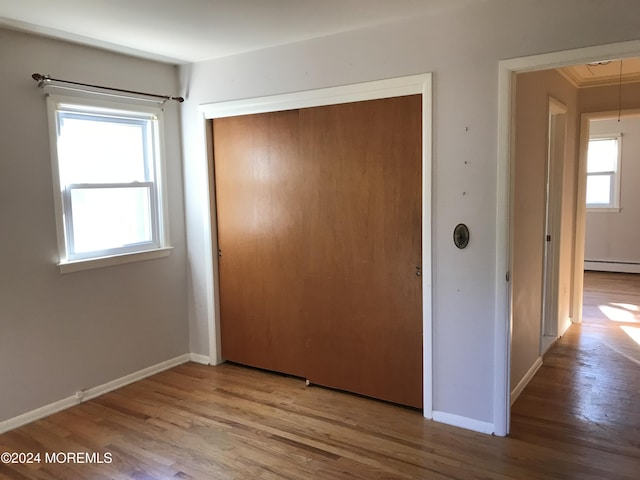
(461, 236)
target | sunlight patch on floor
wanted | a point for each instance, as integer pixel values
(633, 332)
(628, 306)
(619, 314)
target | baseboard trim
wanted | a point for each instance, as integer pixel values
(198, 358)
(565, 327)
(90, 393)
(38, 413)
(464, 422)
(515, 393)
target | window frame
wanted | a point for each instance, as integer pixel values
(127, 110)
(614, 197)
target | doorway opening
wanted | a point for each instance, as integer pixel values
(507, 300)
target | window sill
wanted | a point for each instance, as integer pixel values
(80, 265)
(603, 210)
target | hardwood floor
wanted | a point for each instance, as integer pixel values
(579, 418)
(584, 402)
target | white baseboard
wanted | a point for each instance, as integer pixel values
(463, 422)
(515, 393)
(38, 413)
(612, 267)
(90, 393)
(198, 358)
(564, 327)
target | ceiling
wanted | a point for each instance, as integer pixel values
(606, 72)
(186, 31)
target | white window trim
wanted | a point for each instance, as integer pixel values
(100, 262)
(88, 102)
(613, 207)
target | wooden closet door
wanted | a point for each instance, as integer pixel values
(319, 224)
(362, 297)
(260, 192)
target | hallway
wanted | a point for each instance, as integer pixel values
(586, 395)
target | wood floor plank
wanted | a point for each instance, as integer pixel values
(577, 419)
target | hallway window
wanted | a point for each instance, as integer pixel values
(603, 172)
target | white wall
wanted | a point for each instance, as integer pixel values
(614, 237)
(462, 47)
(63, 333)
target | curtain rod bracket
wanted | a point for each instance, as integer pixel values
(44, 79)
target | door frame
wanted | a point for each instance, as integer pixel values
(585, 129)
(507, 69)
(556, 157)
(394, 87)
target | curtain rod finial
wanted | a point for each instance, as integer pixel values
(41, 79)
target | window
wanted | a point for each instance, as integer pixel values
(603, 172)
(108, 169)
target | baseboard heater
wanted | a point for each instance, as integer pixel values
(612, 266)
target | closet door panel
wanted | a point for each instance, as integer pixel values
(260, 197)
(362, 295)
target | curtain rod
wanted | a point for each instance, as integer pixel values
(42, 79)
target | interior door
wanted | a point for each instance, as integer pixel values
(319, 227)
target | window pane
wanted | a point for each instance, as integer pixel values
(599, 190)
(602, 155)
(95, 149)
(107, 218)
